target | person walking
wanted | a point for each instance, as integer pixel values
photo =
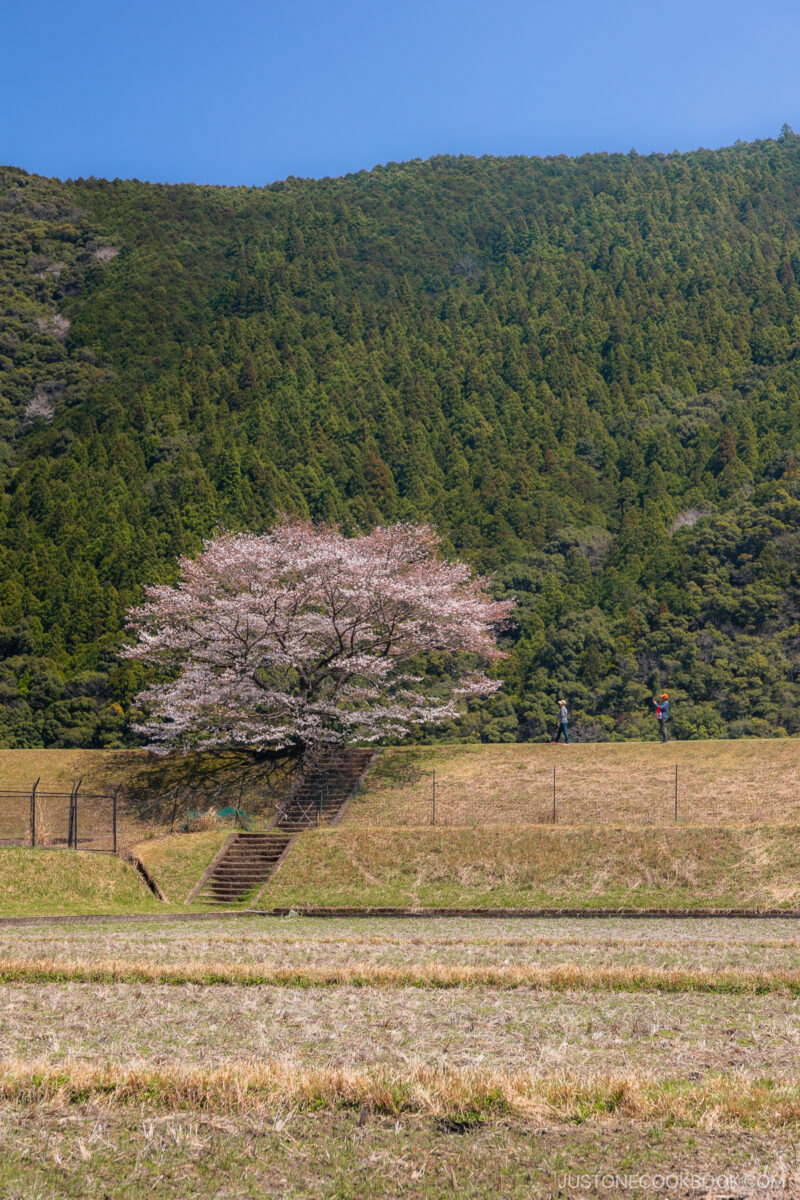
(563, 717)
(662, 714)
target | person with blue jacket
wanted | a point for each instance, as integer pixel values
(662, 714)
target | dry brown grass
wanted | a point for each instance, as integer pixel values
(556, 977)
(622, 783)
(204, 822)
(712, 944)
(250, 1086)
(542, 867)
(60, 770)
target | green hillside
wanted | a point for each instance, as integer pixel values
(585, 371)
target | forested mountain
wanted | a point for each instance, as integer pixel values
(585, 372)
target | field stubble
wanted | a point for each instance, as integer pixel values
(670, 995)
(296, 942)
(397, 1090)
(684, 1035)
(83, 1153)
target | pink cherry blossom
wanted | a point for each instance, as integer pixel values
(302, 637)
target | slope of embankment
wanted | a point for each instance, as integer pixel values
(65, 882)
(538, 867)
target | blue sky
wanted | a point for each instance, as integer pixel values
(248, 91)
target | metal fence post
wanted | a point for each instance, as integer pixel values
(433, 799)
(554, 795)
(75, 819)
(114, 820)
(676, 791)
(33, 813)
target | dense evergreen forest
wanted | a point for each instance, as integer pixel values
(585, 372)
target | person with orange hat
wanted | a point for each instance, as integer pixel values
(562, 724)
(662, 714)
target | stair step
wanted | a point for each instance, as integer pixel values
(241, 861)
(229, 891)
(240, 876)
(255, 851)
(231, 874)
(253, 842)
(247, 863)
(215, 890)
(252, 857)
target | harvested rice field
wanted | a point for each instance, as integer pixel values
(259, 1056)
(307, 942)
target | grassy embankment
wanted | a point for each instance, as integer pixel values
(537, 867)
(176, 862)
(745, 781)
(33, 882)
(736, 844)
(59, 770)
(39, 882)
(737, 853)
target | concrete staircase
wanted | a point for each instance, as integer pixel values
(245, 862)
(324, 789)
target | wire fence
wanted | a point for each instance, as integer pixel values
(563, 795)
(568, 793)
(111, 822)
(59, 820)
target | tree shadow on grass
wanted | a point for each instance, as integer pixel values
(163, 791)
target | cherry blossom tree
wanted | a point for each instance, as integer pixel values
(302, 637)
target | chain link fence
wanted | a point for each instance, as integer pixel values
(59, 820)
(112, 821)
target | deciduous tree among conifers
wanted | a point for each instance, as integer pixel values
(303, 637)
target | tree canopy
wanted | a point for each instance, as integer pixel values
(584, 372)
(301, 638)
